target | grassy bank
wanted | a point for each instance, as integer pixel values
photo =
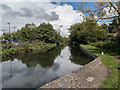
(111, 62)
(110, 47)
(42, 47)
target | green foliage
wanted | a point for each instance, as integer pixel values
(87, 32)
(115, 25)
(108, 46)
(99, 10)
(105, 27)
(36, 46)
(118, 38)
(98, 44)
(27, 47)
(41, 39)
(6, 36)
(44, 32)
(8, 52)
(110, 37)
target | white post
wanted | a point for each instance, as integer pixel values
(102, 53)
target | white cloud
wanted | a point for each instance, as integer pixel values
(64, 16)
(110, 12)
(67, 17)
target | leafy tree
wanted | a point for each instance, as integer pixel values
(114, 25)
(112, 10)
(87, 32)
(104, 26)
(6, 36)
(118, 38)
(44, 32)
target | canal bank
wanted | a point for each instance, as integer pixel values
(33, 70)
(12, 50)
(90, 76)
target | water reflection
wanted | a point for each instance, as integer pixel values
(44, 59)
(78, 57)
(35, 69)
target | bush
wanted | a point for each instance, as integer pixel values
(108, 45)
(118, 38)
(98, 44)
(87, 32)
(28, 47)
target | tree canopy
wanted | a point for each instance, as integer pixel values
(99, 11)
(44, 32)
(103, 10)
(87, 32)
(114, 25)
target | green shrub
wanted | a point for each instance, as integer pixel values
(118, 38)
(98, 44)
(87, 32)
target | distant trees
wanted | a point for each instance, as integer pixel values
(87, 32)
(114, 25)
(44, 32)
(6, 36)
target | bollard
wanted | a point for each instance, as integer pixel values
(102, 53)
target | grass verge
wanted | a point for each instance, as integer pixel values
(111, 62)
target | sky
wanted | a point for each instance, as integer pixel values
(61, 14)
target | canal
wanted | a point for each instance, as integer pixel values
(32, 70)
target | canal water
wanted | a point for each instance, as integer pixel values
(35, 69)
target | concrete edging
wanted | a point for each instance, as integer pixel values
(81, 75)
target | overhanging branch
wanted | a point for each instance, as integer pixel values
(108, 17)
(115, 8)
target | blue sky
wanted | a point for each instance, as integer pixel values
(75, 5)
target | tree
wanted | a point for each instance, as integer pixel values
(87, 32)
(46, 33)
(114, 25)
(30, 32)
(104, 26)
(6, 36)
(103, 10)
(118, 38)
